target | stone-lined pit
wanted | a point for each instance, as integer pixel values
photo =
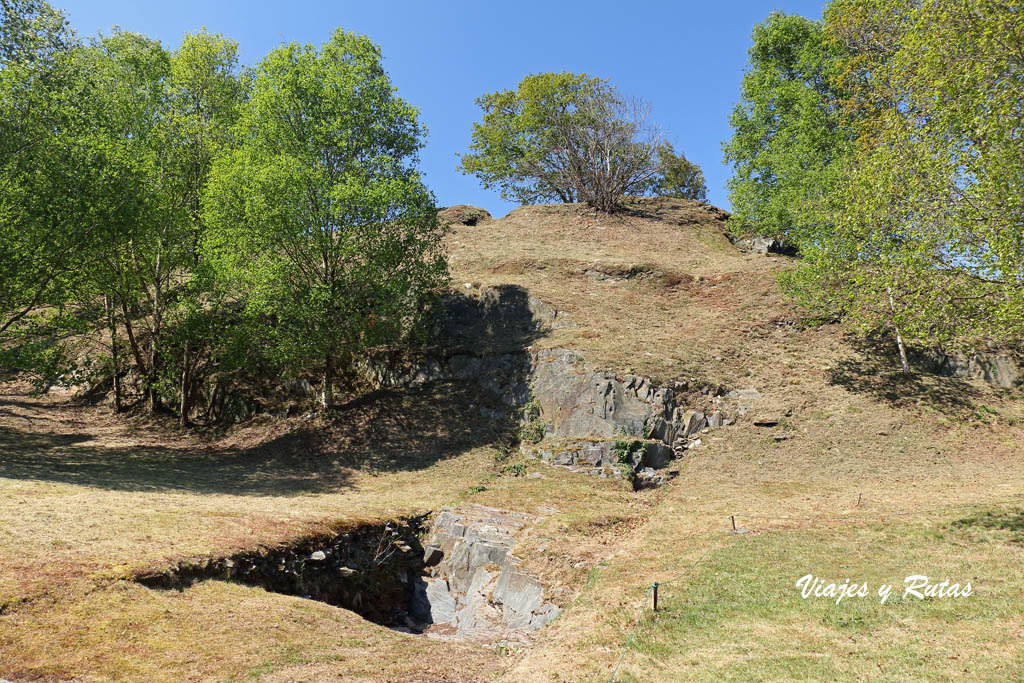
(464, 585)
(370, 569)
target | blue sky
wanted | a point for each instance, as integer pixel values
(685, 58)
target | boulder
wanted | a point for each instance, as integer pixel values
(649, 478)
(692, 422)
(519, 594)
(442, 606)
(765, 245)
(657, 455)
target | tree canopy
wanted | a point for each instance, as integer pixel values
(170, 219)
(319, 213)
(677, 176)
(885, 143)
(572, 138)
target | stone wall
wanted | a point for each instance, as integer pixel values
(476, 589)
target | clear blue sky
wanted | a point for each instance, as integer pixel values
(686, 58)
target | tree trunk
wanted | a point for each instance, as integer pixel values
(899, 336)
(132, 341)
(115, 357)
(185, 407)
(903, 351)
(327, 395)
(154, 362)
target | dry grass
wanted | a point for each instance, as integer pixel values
(86, 499)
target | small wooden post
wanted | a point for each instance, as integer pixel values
(732, 518)
(655, 597)
(858, 498)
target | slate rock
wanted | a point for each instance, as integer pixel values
(432, 555)
(442, 606)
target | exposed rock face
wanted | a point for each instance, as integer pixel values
(599, 422)
(765, 246)
(580, 402)
(1002, 369)
(478, 591)
(480, 337)
(485, 339)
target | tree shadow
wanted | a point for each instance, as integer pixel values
(1000, 520)
(467, 403)
(73, 459)
(388, 432)
(876, 372)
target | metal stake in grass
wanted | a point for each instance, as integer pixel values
(732, 518)
(655, 587)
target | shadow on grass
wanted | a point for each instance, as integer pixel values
(877, 372)
(386, 432)
(390, 430)
(996, 520)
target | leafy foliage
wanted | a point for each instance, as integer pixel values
(677, 176)
(172, 219)
(885, 142)
(788, 132)
(929, 209)
(563, 137)
(319, 215)
(516, 148)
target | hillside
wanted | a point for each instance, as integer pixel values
(835, 466)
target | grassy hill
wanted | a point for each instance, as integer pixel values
(842, 469)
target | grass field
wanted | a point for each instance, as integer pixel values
(865, 476)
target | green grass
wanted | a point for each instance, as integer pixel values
(739, 616)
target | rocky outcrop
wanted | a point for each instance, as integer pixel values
(601, 423)
(478, 591)
(586, 417)
(481, 337)
(765, 246)
(1003, 369)
(464, 585)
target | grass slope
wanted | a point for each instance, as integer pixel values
(926, 473)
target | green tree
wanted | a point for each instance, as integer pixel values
(885, 142)
(171, 114)
(33, 32)
(46, 167)
(515, 148)
(319, 215)
(928, 214)
(677, 176)
(563, 137)
(204, 92)
(142, 246)
(788, 130)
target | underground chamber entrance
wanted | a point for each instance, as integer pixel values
(449, 576)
